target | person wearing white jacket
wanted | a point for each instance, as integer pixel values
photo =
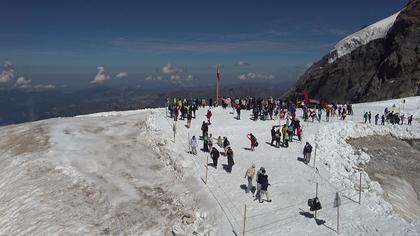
(250, 174)
(194, 145)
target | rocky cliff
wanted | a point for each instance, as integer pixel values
(381, 61)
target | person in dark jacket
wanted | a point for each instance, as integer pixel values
(204, 128)
(263, 180)
(229, 155)
(376, 119)
(307, 150)
(273, 135)
(214, 153)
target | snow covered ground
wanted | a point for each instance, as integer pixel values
(122, 173)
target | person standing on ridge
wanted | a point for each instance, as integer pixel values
(369, 116)
(376, 119)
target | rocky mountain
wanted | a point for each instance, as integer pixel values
(381, 61)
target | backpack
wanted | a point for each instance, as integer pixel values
(309, 148)
(256, 144)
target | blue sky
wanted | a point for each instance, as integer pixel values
(65, 41)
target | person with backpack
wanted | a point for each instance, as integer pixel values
(229, 154)
(214, 153)
(194, 145)
(307, 150)
(253, 140)
(376, 119)
(250, 174)
(369, 116)
(263, 180)
(208, 115)
(383, 120)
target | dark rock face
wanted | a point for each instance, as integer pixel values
(385, 68)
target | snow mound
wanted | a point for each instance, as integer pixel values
(362, 37)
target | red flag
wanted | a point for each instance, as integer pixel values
(218, 73)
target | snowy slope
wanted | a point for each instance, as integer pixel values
(122, 173)
(362, 37)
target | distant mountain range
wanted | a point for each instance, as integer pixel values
(17, 106)
(381, 61)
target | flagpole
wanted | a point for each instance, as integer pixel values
(217, 84)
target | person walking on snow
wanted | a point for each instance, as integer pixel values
(257, 193)
(250, 173)
(229, 154)
(263, 178)
(214, 156)
(376, 119)
(383, 120)
(208, 115)
(253, 140)
(369, 116)
(410, 119)
(365, 116)
(194, 145)
(307, 150)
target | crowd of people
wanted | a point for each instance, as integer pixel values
(281, 135)
(390, 116)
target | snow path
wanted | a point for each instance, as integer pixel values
(293, 182)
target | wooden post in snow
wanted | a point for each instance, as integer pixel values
(337, 203)
(360, 188)
(316, 147)
(316, 195)
(207, 167)
(189, 143)
(243, 228)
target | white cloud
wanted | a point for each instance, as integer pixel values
(8, 73)
(44, 86)
(171, 73)
(121, 75)
(242, 64)
(101, 76)
(170, 69)
(22, 82)
(255, 76)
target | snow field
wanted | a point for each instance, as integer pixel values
(293, 182)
